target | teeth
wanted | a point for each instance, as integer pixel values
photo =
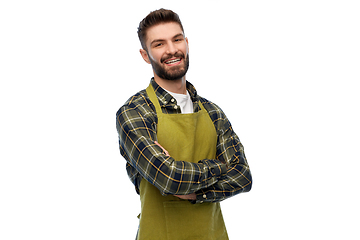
(173, 61)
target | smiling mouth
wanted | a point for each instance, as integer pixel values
(172, 62)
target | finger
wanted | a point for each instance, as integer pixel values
(181, 196)
(166, 152)
(191, 196)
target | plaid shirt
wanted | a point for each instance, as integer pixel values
(212, 180)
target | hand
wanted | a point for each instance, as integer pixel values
(191, 196)
(165, 152)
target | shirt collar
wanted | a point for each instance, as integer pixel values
(165, 97)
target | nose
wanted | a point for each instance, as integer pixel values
(172, 49)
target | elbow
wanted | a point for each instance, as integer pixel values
(248, 186)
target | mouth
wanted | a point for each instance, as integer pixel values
(173, 61)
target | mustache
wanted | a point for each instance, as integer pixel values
(178, 55)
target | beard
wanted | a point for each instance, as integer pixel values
(176, 72)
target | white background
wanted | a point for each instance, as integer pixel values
(286, 73)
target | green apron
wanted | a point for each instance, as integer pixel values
(187, 137)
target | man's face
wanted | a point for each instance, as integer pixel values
(167, 51)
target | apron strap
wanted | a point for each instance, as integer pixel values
(153, 98)
(201, 106)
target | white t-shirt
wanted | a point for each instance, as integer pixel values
(184, 101)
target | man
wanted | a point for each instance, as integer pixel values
(182, 154)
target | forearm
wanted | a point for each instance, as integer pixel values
(229, 185)
(167, 174)
(238, 177)
(237, 180)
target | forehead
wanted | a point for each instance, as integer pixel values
(163, 31)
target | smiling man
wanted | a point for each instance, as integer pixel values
(172, 57)
(182, 154)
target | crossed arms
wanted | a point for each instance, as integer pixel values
(209, 180)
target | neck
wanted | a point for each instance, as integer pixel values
(175, 86)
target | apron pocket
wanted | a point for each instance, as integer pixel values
(194, 221)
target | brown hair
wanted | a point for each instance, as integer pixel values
(154, 18)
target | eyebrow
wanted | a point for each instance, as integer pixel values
(161, 40)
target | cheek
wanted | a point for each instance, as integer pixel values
(155, 56)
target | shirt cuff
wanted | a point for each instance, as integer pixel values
(200, 198)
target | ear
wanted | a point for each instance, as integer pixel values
(145, 55)
(187, 43)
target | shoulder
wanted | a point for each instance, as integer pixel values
(138, 103)
(213, 109)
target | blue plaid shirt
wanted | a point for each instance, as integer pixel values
(212, 180)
